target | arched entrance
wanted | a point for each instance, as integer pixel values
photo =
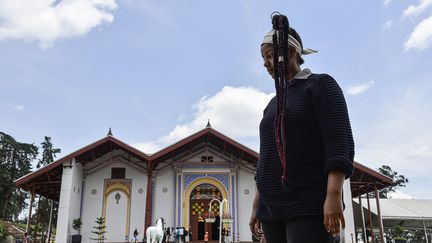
(116, 209)
(200, 198)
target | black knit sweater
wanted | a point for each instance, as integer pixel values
(318, 140)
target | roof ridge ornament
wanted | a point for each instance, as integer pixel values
(110, 133)
(208, 124)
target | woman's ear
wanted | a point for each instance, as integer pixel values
(292, 53)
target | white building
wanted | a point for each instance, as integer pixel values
(131, 189)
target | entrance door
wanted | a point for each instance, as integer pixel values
(199, 206)
(116, 216)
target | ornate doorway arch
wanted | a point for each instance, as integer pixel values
(189, 190)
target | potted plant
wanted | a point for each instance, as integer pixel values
(76, 225)
(399, 234)
(227, 218)
(211, 218)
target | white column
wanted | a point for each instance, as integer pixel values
(349, 232)
(425, 231)
(30, 211)
(51, 203)
(70, 200)
(364, 236)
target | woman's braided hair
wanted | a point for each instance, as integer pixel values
(282, 81)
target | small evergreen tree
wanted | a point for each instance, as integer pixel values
(100, 230)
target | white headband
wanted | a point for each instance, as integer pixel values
(268, 39)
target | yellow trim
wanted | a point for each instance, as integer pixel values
(189, 190)
(118, 187)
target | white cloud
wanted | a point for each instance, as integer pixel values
(387, 2)
(421, 37)
(387, 25)
(16, 107)
(359, 88)
(417, 9)
(46, 21)
(234, 111)
(419, 150)
(148, 147)
(397, 194)
(401, 138)
(19, 107)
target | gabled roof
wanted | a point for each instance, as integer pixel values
(207, 135)
(52, 172)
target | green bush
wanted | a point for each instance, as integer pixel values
(3, 232)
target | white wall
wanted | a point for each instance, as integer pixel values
(245, 201)
(70, 200)
(165, 202)
(348, 214)
(93, 204)
(138, 203)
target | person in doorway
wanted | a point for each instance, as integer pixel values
(306, 147)
(182, 234)
(177, 235)
(135, 235)
(190, 233)
(26, 237)
(168, 234)
(206, 237)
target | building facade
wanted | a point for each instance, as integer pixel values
(131, 189)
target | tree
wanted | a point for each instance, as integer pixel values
(48, 153)
(100, 230)
(15, 162)
(43, 208)
(398, 179)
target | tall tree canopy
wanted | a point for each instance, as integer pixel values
(398, 179)
(48, 153)
(15, 162)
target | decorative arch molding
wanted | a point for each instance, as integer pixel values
(191, 186)
(221, 178)
(125, 186)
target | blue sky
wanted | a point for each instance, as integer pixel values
(155, 71)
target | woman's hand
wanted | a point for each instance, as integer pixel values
(255, 225)
(333, 211)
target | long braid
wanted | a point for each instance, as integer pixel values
(282, 83)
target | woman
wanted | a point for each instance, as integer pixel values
(299, 198)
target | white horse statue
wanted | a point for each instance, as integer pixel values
(155, 234)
